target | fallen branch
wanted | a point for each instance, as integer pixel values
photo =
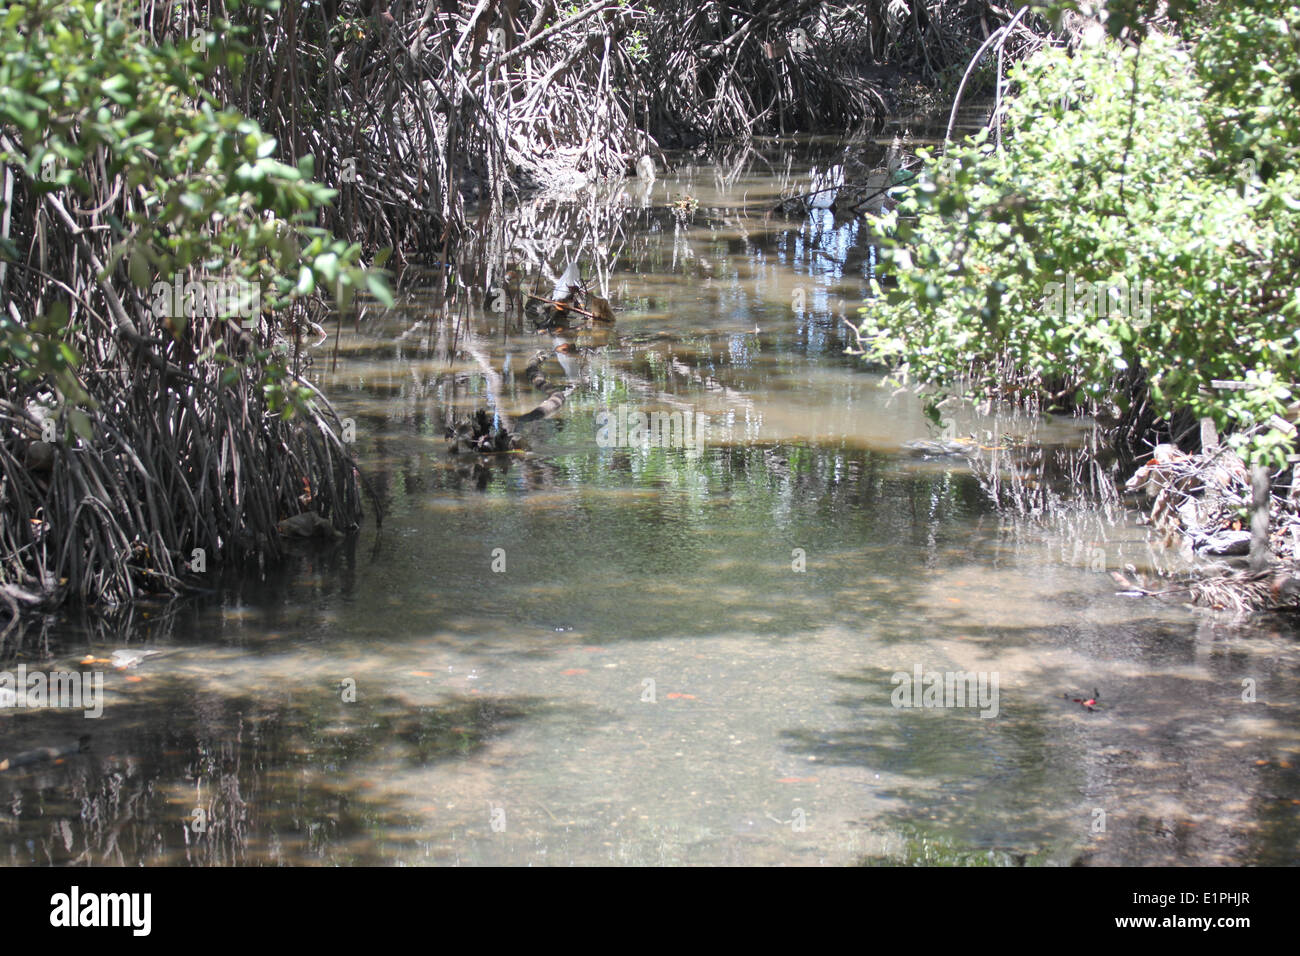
(558, 393)
(566, 307)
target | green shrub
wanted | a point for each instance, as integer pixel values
(1115, 175)
(204, 195)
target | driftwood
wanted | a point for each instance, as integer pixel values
(601, 312)
(485, 434)
(556, 393)
(1197, 502)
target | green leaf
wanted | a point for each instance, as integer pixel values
(82, 424)
(327, 266)
(379, 289)
(138, 267)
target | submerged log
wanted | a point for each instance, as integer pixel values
(42, 754)
(309, 524)
(557, 393)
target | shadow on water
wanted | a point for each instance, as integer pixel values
(234, 779)
(607, 652)
(1157, 771)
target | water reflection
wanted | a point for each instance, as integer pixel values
(630, 654)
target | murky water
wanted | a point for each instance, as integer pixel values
(590, 654)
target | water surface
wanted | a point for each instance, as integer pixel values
(629, 655)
